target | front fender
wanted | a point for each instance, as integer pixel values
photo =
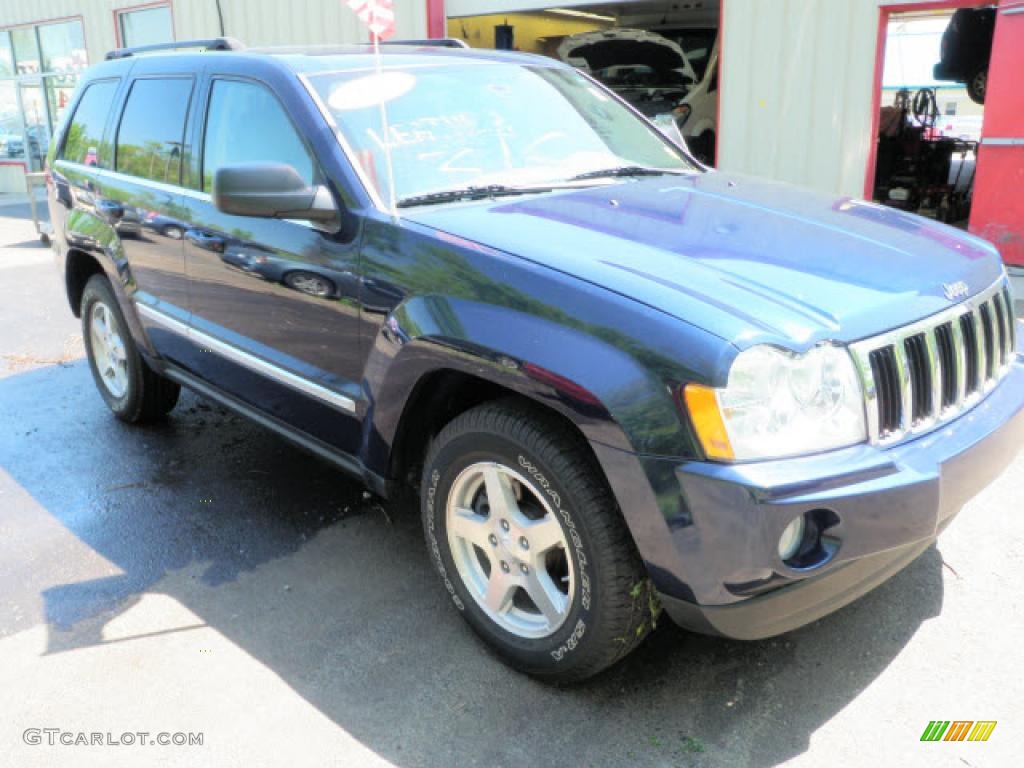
(618, 404)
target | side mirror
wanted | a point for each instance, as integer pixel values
(271, 191)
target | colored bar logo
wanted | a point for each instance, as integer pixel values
(958, 730)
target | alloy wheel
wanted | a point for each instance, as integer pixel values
(108, 349)
(510, 550)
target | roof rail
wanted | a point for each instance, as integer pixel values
(437, 42)
(210, 44)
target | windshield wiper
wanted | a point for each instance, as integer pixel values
(625, 170)
(471, 193)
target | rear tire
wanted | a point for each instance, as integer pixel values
(560, 592)
(130, 388)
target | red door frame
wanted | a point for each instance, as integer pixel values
(884, 12)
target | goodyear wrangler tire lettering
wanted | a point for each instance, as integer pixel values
(529, 542)
(435, 550)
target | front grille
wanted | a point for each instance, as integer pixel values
(924, 374)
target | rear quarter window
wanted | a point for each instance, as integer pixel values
(85, 131)
(151, 135)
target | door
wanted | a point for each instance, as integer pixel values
(997, 211)
(142, 198)
(274, 302)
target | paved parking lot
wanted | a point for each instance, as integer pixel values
(204, 576)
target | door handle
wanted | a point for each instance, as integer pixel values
(62, 192)
(205, 240)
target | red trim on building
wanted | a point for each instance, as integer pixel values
(884, 12)
(437, 21)
(997, 209)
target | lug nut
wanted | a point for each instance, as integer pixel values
(523, 542)
(504, 566)
(504, 525)
(523, 568)
(493, 539)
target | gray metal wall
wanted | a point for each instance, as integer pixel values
(796, 90)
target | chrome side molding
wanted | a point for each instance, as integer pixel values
(246, 360)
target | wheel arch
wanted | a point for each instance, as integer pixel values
(418, 377)
(441, 395)
(78, 268)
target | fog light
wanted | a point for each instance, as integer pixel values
(791, 538)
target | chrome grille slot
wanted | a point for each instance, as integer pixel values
(988, 339)
(920, 377)
(947, 363)
(883, 367)
(971, 349)
(930, 372)
(1011, 324)
(1003, 327)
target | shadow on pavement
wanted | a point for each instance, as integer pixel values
(284, 557)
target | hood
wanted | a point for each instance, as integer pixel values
(620, 47)
(746, 259)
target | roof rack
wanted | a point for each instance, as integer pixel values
(211, 44)
(437, 42)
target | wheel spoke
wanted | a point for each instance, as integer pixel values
(500, 496)
(549, 601)
(468, 525)
(499, 591)
(543, 534)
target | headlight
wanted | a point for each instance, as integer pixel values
(780, 404)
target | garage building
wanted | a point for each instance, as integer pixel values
(799, 88)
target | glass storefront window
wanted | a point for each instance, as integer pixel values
(39, 66)
(11, 145)
(59, 89)
(63, 46)
(36, 139)
(6, 54)
(26, 50)
(146, 26)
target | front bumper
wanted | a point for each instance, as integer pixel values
(712, 553)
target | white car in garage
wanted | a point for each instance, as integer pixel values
(653, 74)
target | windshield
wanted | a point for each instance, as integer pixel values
(453, 126)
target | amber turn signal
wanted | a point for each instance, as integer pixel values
(707, 420)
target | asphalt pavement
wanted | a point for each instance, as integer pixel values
(205, 577)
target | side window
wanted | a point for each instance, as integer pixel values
(245, 123)
(85, 131)
(152, 130)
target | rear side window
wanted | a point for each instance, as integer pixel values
(152, 131)
(85, 131)
(245, 123)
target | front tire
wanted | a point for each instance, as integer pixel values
(530, 543)
(130, 388)
(977, 84)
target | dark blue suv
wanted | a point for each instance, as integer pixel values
(616, 381)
